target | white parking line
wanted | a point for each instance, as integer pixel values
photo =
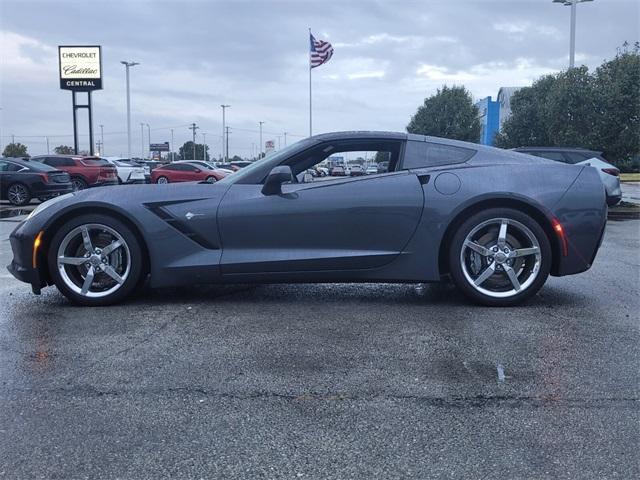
(500, 373)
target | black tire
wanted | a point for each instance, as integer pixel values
(136, 260)
(78, 184)
(165, 180)
(18, 194)
(457, 245)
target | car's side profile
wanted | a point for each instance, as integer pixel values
(21, 181)
(85, 171)
(185, 172)
(495, 222)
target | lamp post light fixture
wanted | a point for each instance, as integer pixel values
(224, 107)
(572, 39)
(127, 66)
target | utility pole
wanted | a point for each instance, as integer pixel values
(127, 65)
(142, 140)
(171, 148)
(204, 147)
(572, 38)
(260, 149)
(285, 138)
(224, 107)
(47, 138)
(101, 139)
(227, 145)
(193, 128)
(278, 142)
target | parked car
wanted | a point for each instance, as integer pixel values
(383, 167)
(21, 181)
(324, 171)
(85, 171)
(356, 171)
(185, 172)
(505, 222)
(371, 170)
(128, 171)
(241, 164)
(337, 171)
(208, 166)
(609, 174)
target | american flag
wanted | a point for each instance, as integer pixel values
(321, 52)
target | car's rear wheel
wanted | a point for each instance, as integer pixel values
(210, 179)
(95, 260)
(162, 180)
(18, 194)
(500, 257)
(78, 184)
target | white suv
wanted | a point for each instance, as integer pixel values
(128, 170)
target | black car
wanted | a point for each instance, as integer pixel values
(21, 181)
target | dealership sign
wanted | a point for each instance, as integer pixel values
(80, 68)
(159, 147)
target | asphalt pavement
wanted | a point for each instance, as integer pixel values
(326, 381)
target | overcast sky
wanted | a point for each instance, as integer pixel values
(195, 55)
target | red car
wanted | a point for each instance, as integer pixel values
(184, 172)
(84, 171)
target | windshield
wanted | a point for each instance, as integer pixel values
(95, 162)
(267, 162)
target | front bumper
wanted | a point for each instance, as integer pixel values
(21, 267)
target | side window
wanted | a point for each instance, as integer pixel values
(14, 167)
(556, 156)
(426, 154)
(346, 158)
(575, 157)
(172, 167)
(189, 168)
(4, 166)
(58, 161)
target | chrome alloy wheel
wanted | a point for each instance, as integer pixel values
(17, 194)
(93, 260)
(500, 257)
(163, 180)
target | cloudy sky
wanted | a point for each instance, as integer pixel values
(195, 55)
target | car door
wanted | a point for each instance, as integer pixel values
(340, 224)
(7, 177)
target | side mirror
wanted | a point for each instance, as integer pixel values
(197, 170)
(275, 179)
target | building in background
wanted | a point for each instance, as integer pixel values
(504, 99)
(489, 116)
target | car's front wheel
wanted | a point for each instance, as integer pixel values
(162, 180)
(95, 260)
(500, 257)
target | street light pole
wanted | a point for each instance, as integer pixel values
(285, 138)
(572, 38)
(204, 147)
(224, 124)
(127, 65)
(101, 139)
(171, 148)
(260, 148)
(149, 137)
(227, 144)
(142, 140)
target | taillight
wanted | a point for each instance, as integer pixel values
(612, 171)
(559, 231)
(45, 177)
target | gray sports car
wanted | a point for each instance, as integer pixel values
(496, 222)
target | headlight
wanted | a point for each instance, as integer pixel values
(43, 206)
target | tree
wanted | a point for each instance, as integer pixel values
(382, 157)
(63, 150)
(236, 158)
(450, 113)
(599, 111)
(186, 151)
(617, 124)
(16, 149)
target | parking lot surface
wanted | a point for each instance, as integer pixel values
(326, 381)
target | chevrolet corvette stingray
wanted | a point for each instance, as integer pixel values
(495, 222)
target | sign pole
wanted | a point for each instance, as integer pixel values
(75, 122)
(310, 110)
(91, 144)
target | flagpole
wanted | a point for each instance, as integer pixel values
(310, 105)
